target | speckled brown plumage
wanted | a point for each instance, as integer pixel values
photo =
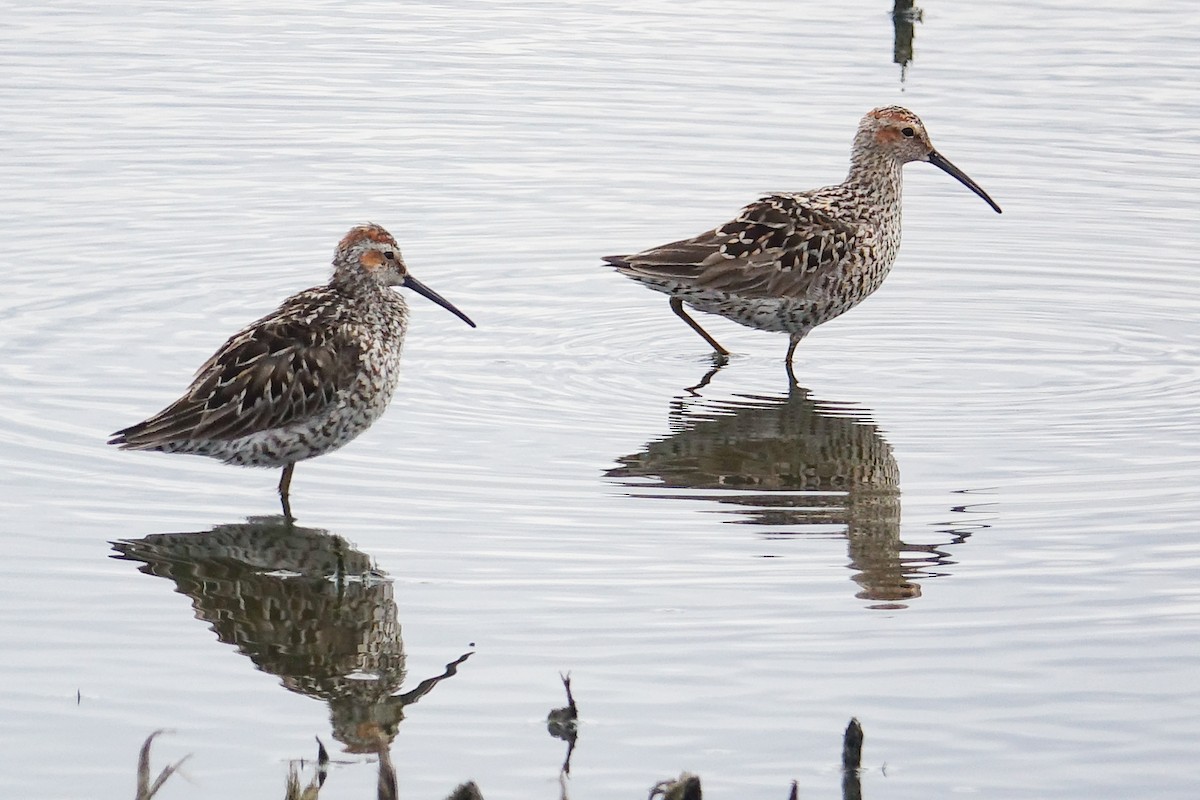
(790, 262)
(303, 380)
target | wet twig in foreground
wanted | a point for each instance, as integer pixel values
(146, 790)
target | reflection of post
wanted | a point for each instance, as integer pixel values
(301, 604)
(904, 16)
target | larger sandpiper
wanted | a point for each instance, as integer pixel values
(790, 262)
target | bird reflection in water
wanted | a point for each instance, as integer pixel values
(302, 604)
(800, 466)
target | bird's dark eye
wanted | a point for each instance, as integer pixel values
(908, 132)
(389, 255)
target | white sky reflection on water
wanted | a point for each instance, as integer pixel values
(1015, 408)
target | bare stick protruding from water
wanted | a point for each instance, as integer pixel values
(851, 761)
(310, 792)
(466, 791)
(146, 790)
(685, 787)
(563, 723)
(852, 745)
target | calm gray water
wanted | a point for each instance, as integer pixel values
(974, 527)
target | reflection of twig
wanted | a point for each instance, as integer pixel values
(146, 790)
(904, 17)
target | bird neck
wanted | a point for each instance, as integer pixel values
(877, 174)
(353, 281)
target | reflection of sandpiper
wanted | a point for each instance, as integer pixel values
(303, 380)
(796, 464)
(790, 262)
(301, 604)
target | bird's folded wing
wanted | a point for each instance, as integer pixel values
(285, 368)
(775, 247)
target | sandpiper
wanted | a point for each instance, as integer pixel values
(790, 262)
(303, 380)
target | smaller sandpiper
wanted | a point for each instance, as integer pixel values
(303, 380)
(790, 262)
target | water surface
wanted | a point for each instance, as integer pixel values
(972, 526)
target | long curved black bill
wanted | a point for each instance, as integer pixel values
(943, 163)
(412, 283)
